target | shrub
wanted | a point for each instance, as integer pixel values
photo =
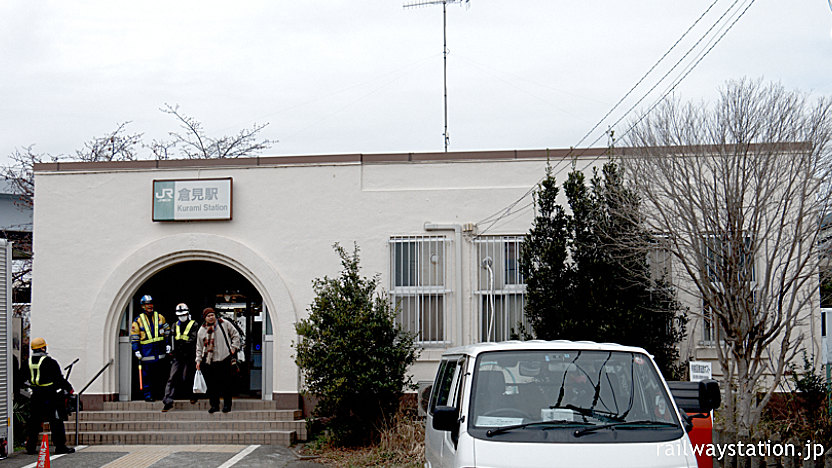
(803, 412)
(353, 356)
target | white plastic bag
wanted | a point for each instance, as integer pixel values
(199, 383)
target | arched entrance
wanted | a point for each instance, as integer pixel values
(200, 284)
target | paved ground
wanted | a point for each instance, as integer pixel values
(160, 456)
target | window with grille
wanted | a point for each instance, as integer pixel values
(659, 259)
(418, 289)
(708, 326)
(500, 291)
(727, 260)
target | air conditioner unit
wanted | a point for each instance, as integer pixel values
(423, 395)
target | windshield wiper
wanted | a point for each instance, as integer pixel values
(645, 422)
(597, 414)
(500, 430)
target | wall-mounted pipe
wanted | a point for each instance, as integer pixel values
(457, 228)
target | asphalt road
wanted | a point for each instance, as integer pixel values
(159, 456)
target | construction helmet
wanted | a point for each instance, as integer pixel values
(38, 343)
(182, 308)
(146, 299)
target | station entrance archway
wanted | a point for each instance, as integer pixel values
(201, 284)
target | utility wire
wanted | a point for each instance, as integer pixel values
(648, 72)
(508, 210)
(686, 72)
(656, 85)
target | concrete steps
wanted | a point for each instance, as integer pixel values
(141, 423)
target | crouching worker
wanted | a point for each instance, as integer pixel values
(48, 403)
(181, 377)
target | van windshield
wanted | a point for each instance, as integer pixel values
(554, 395)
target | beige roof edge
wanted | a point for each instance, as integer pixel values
(382, 158)
(376, 158)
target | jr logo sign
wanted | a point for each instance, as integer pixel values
(164, 194)
(192, 200)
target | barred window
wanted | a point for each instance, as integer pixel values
(726, 259)
(708, 326)
(731, 261)
(659, 259)
(418, 285)
(501, 289)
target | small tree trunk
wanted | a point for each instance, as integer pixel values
(719, 438)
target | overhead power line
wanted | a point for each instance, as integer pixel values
(508, 211)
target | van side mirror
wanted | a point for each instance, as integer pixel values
(445, 418)
(696, 397)
(709, 396)
(687, 422)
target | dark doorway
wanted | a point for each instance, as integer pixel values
(201, 284)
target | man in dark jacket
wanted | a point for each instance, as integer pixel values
(48, 403)
(181, 376)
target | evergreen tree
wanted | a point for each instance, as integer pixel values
(601, 289)
(353, 355)
(544, 263)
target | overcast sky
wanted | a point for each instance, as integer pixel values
(361, 76)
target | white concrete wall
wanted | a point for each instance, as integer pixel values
(95, 243)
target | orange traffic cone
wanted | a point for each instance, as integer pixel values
(43, 455)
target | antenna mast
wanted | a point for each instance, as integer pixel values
(444, 4)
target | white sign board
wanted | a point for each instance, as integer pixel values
(700, 370)
(192, 200)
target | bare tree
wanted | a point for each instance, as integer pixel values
(19, 175)
(117, 145)
(739, 189)
(195, 144)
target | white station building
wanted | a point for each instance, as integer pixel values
(249, 236)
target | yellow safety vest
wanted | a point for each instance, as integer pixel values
(34, 372)
(149, 337)
(183, 336)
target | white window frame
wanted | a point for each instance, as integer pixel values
(419, 277)
(509, 288)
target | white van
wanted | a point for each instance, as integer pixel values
(555, 404)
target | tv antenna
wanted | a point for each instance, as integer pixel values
(444, 4)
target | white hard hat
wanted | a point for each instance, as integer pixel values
(182, 309)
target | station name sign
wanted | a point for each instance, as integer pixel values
(192, 200)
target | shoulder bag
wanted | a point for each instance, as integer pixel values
(235, 366)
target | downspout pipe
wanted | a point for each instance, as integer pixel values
(457, 228)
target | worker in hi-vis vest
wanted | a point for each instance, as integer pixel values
(48, 403)
(182, 369)
(149, 336)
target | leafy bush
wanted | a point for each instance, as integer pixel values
(353, 356)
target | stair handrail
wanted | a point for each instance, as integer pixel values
(78, 395)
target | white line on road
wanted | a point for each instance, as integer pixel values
(33, 465)
(233, 461)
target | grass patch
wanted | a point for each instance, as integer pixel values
(402, 445)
